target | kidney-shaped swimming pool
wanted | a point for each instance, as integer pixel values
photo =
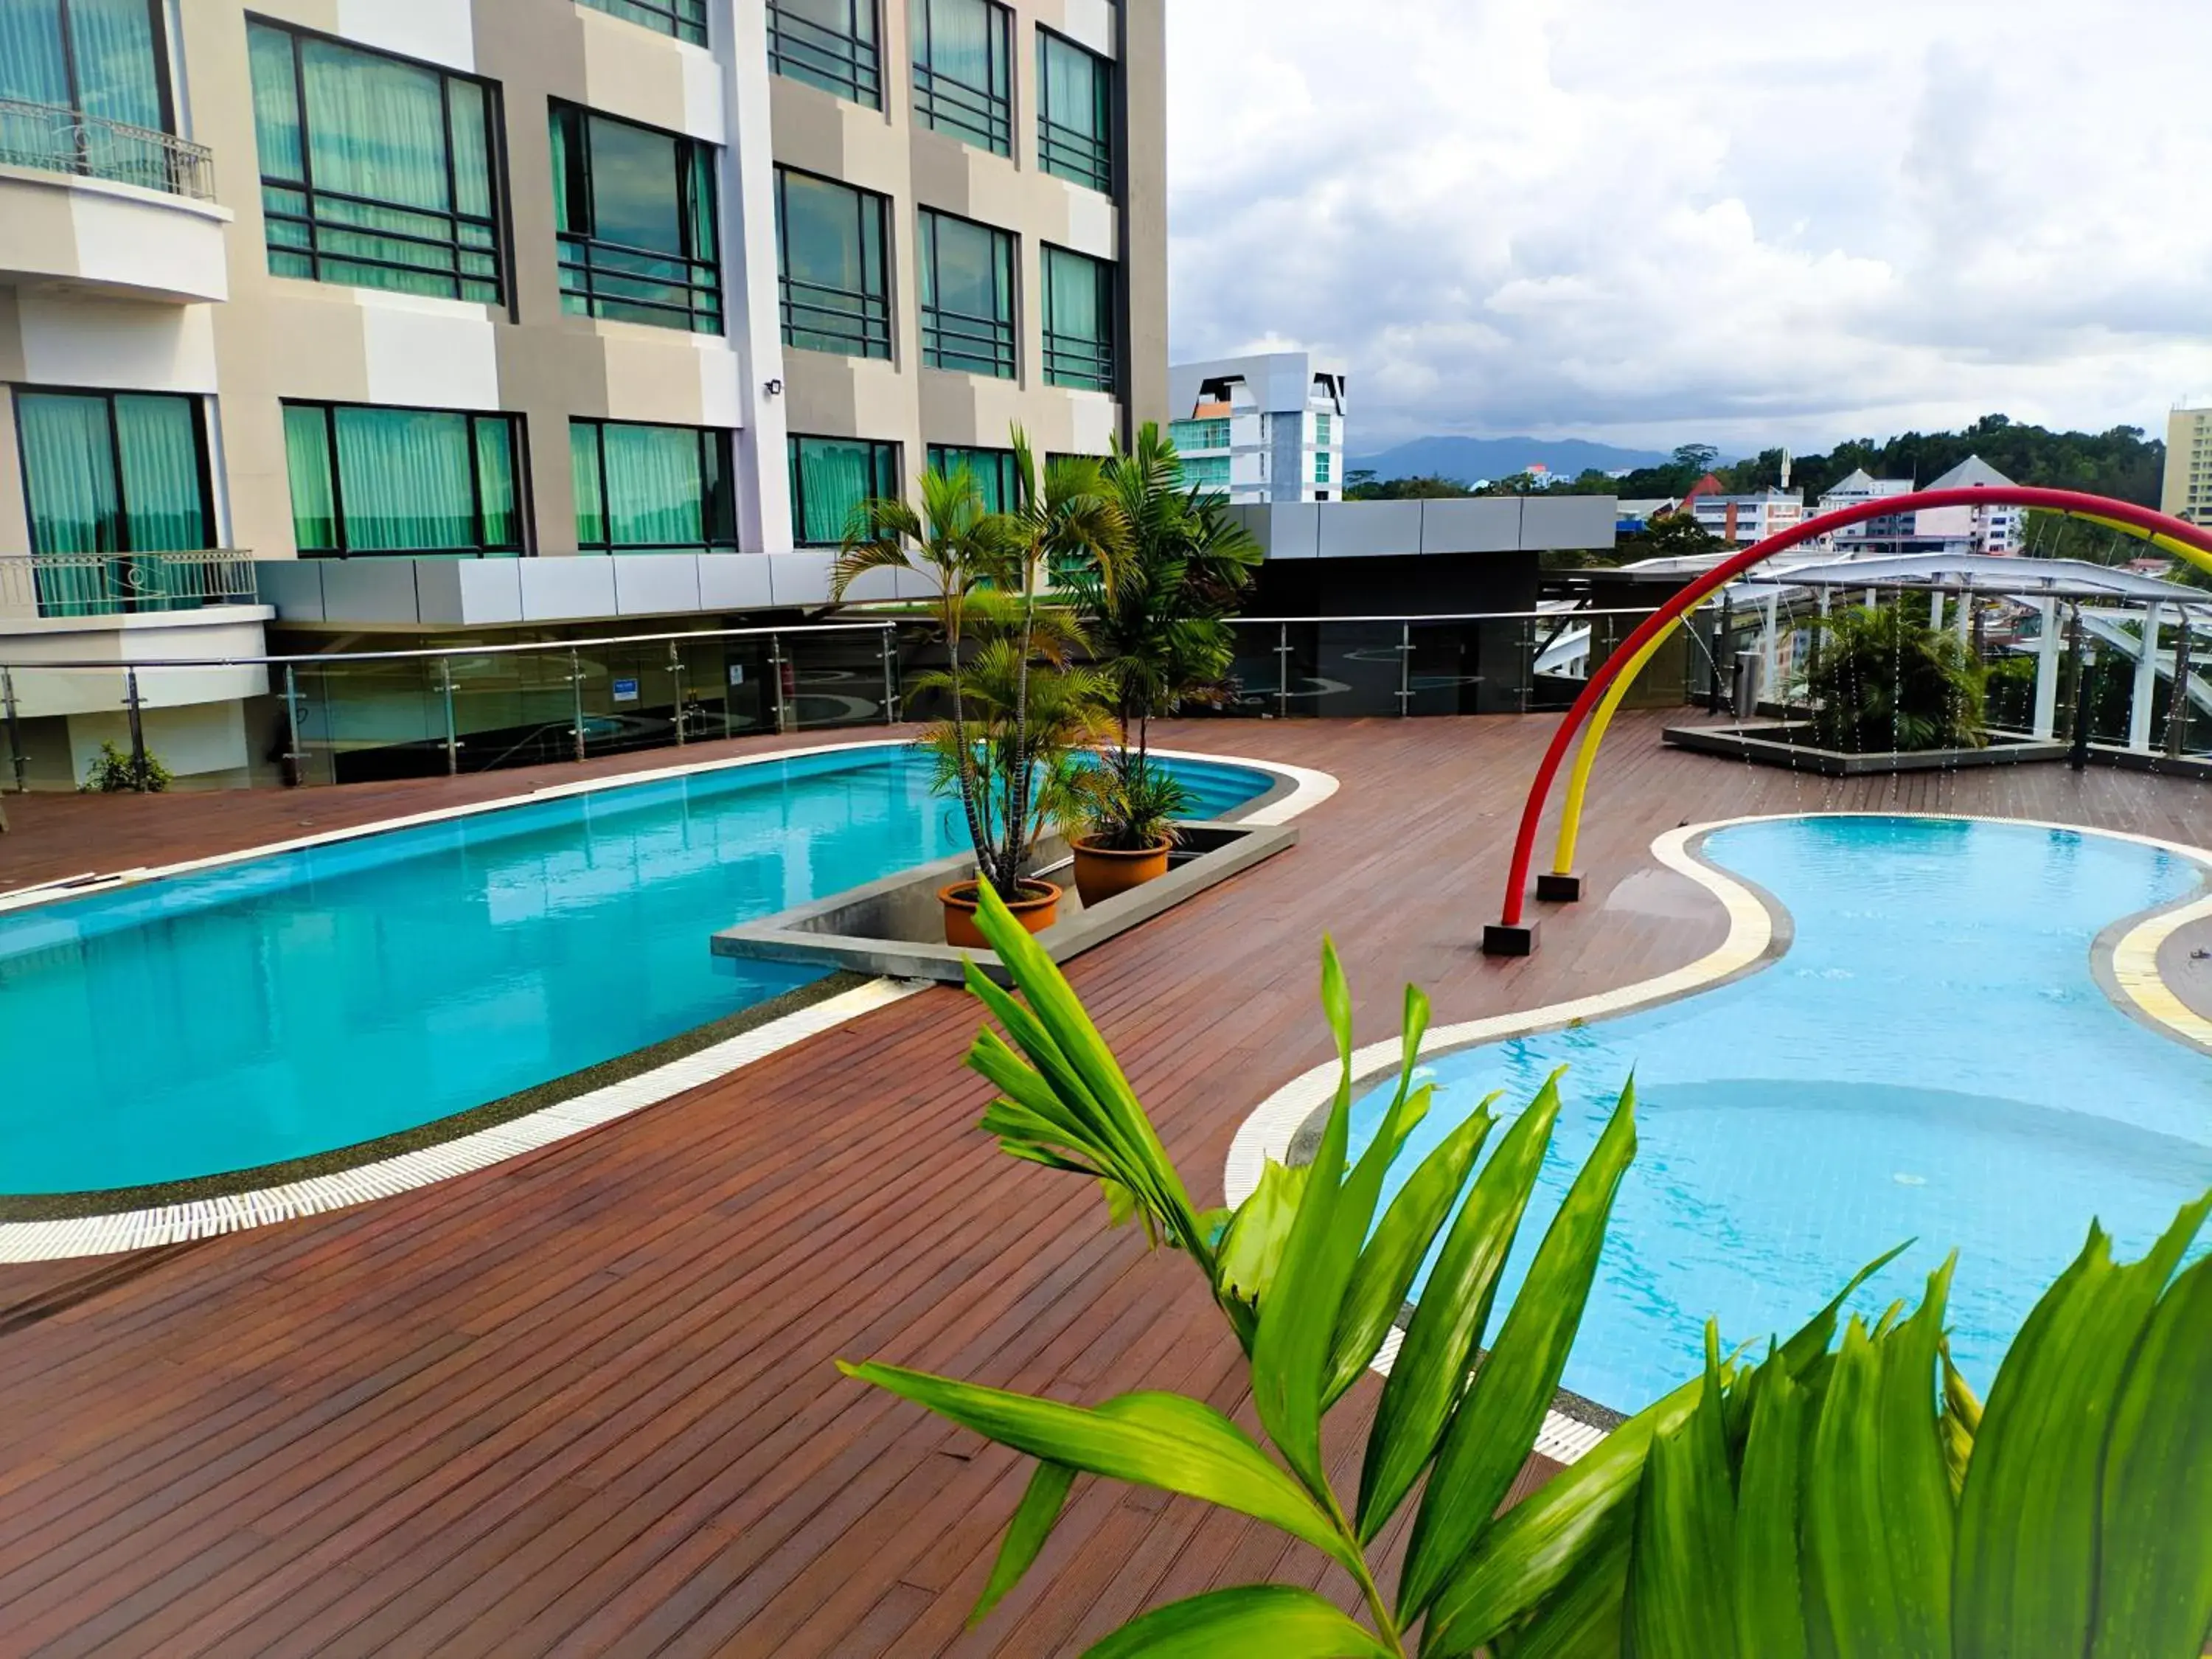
(1931, 1059)
(283, 1006)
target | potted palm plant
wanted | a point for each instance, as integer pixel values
(1022, 709)
(1158, 620)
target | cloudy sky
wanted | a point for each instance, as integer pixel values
(1748, 221)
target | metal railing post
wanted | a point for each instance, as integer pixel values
(452, 732)
(676, 673)
(2178, 712)
(295, 756)
(890, 677)
(137, 721)
(16, 756)
(1283, 671)
(1405, 670)
(576, 696)
(775, 673)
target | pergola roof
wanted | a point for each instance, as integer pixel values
(1984, 573)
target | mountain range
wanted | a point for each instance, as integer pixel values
(1468, 460)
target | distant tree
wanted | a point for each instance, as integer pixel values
(1763, 471)
(2121, 462)
(1696, 458)
(1363, 486)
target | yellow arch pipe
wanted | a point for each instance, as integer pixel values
(1570, 815)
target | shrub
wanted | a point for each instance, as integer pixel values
(1882, 682)
(114, 773)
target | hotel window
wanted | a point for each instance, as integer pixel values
(652, 489)
(371, 480)
(375, 172)
(967, 296)
(830, 44)
(964, 70)
(1079, 321)
(99, 60)
(1323, 429)
(1199, 435)
(831, 476)
(1207, 472)
(634, 210)
(112, 473)
(685, 20)
(1321, 470)
(830, 243)
(1075, 113)
(993, 471)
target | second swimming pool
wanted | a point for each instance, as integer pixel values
(1931, 1059)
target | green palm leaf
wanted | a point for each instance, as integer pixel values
(1769, 1583)
(1681, 1591)
(1495, 1428)
(1163, 1441)
(1447, 1322)
(1034, 1520)
(2029, 1516)
(1253, 1621)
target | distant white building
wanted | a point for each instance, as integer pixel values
(1744, 520)
(1266, 428)
(1893, 532)
(1999, 530)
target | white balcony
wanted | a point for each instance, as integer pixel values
(98, 207)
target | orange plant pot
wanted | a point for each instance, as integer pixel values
(1102, 872)
(1036, 910)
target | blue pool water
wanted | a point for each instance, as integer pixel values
(288, 1006)
(1931, 1059)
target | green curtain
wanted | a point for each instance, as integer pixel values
(824, 236)
(307, 465)
(32, 68)
(376, 125)
(501, 515)
(961, 38)
(584, 472)
(69, 468)
(472, 157)
(1072, 295)
(571, 193)
(118, 73)
(829, 478)
(404, 475)
(655, 490)
(1075, 87)
(276, 102)
(992, 469)
(165, 506)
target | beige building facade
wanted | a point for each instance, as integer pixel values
(2188, 493)
(321, 319)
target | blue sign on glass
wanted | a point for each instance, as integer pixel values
(625, 691)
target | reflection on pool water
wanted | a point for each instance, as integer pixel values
(288, 1006)
(1931, 1059)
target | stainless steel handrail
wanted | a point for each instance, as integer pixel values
(72, 142)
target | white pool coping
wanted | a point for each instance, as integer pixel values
(1268, 1133)
(144, 1229)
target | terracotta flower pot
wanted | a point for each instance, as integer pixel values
(1036, 910)
(1102, 872)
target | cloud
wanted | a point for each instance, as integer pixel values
(1759, 222)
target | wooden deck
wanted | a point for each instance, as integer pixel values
(583, 1402)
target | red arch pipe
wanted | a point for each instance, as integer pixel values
(2056, 501)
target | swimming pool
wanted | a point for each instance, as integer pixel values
(283, 1006)
(1931, 1059)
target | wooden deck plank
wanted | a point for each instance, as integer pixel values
(582, 1402)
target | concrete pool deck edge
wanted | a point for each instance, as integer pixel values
(1295, 790)
(1759, 932)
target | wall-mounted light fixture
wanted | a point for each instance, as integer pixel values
(774, 388)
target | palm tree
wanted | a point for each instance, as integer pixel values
(1022, 707)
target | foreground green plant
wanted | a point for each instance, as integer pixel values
(1823, 1502)
(1881, 681)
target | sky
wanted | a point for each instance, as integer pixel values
(1749, 223)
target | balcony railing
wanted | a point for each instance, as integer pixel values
(54, 138)
(120, 584)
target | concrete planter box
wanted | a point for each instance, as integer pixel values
(895, 926)
(1785, 746)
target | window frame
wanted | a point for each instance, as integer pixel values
(714, 441)
(519, 448)
(979, 117)
(880, 452)
(993, 344)
(1076, 157)
(1003, 460)
(863, 85)
(164, 65)
(495, 223)
(679, 13)
(705, 309)
(874, 316)
(1066, 355)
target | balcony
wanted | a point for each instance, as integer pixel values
(73, 585)
(105, 208)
